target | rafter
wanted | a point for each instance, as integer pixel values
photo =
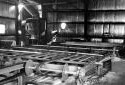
(12, 2)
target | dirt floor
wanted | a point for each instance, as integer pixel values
(117, 75)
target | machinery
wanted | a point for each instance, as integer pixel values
(75, 63)
(63, 43)
(48, 66)
(67, 63)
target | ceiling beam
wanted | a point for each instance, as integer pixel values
(54, 3)
(31, 2)
(8, 2)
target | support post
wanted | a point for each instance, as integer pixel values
(16, 23)
(86, 20)
(20, 80)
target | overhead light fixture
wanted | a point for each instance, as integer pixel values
(39, 7)
(12, 8)
(20, 6)
(23, 22)
(19, 17)
(63, 25)
(19, 32)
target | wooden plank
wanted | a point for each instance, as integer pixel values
(92, 44)
(12, 68)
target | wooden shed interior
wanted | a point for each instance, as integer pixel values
(62, 42)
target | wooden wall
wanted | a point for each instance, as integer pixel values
(69, 14)
(105, 19)
(7, 17)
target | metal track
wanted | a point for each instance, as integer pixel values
(56, 61)
(53, 56)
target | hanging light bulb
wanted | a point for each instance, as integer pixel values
(12, 8)
(63, 25)
(20, 6)
(19, 32)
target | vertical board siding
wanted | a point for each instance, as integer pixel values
(80, 29)
(51, 17)
(106, 28)
(119, 30)
(102, 4)
(7, 37)
(105, 11)
(120, 4)
(71, 4)
(116, 41)
(98, 30)
(120, 16)
(65, 17)
(73, 29)
(72, 18)
(112, 30)
(96, 40)
(7, 10)
(9, 25)
(107, 16)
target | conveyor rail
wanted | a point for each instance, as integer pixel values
(11, 68)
